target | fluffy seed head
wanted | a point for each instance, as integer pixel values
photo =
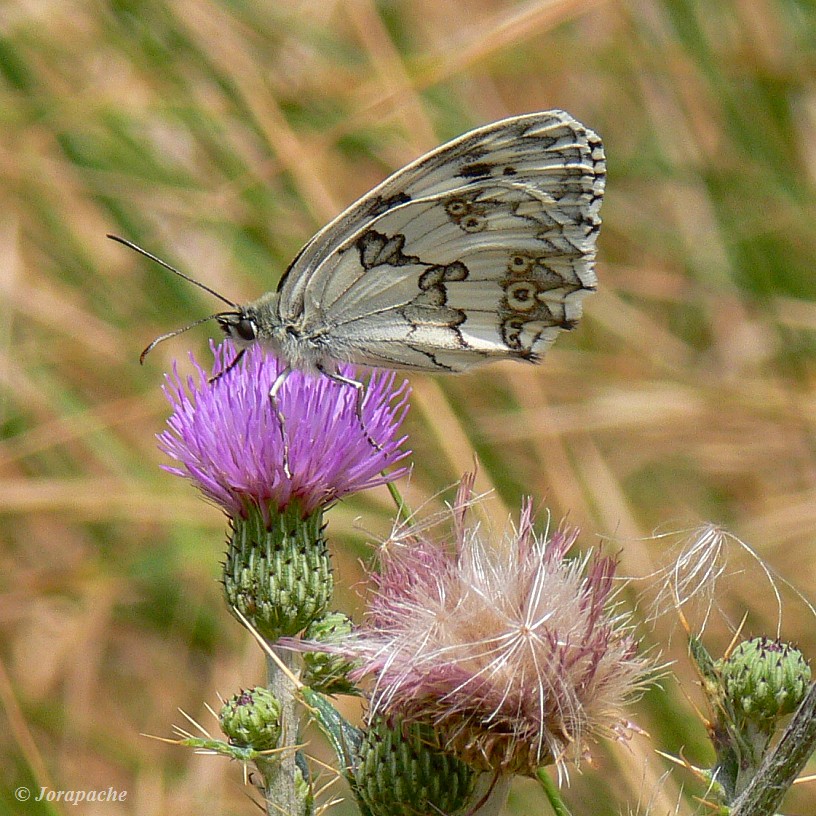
(513, 653)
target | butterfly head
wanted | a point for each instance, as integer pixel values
(240, 326)
(244, 325)
(255, 322)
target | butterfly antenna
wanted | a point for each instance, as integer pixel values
(199, 284)
(177, 332)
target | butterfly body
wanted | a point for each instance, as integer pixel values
(303, 348)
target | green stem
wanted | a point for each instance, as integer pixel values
(552, 793)
(403, 511)
(280, 773)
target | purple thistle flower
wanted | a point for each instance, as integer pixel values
(226, 436)
(515, 656)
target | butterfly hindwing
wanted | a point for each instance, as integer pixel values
(482, 249)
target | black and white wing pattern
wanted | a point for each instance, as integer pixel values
(481, 250)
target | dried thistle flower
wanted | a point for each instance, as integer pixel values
(514, 655)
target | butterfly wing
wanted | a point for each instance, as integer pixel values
(482, 249)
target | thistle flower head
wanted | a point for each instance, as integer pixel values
(510, 652)
(225, 434)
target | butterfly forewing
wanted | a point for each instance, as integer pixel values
(482, 249)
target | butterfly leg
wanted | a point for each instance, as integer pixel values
(360, 392)
(233, 363)
(273, 398)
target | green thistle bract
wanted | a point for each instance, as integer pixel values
(399, 773)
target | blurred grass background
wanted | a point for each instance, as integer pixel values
(221, 134)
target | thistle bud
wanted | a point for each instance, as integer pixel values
(764, 680)
(324, 671)
(399, 772)
(277, 573)
(251, 719)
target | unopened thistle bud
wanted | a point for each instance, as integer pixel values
(399, 772)
(324, 671)
(764, 680)
(251, 719)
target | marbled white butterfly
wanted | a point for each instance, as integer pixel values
(481, 250)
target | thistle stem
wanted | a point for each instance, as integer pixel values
(552, 793)
(280, 774)
(403, 511)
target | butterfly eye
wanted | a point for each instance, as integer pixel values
(245, 329)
